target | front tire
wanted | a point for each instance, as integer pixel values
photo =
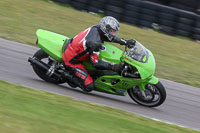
(41, 55)
(155, 95)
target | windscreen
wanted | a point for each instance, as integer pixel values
(139, 53)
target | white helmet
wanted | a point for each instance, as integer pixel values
(110, 27)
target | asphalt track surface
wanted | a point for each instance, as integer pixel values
(181, 107)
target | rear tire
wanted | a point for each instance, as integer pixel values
(40, 54)
(160, 90)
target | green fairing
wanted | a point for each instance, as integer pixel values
(52, 43)
(145, 69)
(111, 54)
(153, 80)
(104, 84)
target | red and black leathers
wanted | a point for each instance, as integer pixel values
(86, 45)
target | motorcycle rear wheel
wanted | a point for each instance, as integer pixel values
(152, 91)
(41, 55)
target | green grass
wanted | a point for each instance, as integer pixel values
(26, 110)
(177, 58)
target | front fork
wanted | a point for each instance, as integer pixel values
(153, 80)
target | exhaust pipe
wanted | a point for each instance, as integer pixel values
(42, 65)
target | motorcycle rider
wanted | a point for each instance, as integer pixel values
(86, 45)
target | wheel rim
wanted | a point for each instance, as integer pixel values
(152, 95)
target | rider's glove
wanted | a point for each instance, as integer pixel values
(128, 43)
(122, 41)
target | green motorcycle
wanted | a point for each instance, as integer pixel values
(136, 77)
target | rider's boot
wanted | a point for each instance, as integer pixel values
(69, 78)
(75, 83)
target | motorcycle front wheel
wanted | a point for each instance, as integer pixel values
(152, 96)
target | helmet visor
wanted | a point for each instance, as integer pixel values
(113, 32)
